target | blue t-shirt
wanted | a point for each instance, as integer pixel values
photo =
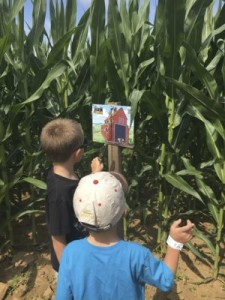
(89, 272)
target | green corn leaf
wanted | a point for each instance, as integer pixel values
(211, 135)
(201, 72)
(198, 98)
(144, 170)
(57, 20)
(143, 15)
(80, 38)
(36, 182)
(219, 21)
(205, 280)
(134, 183)
(55, 72)
(71, 13)
(36, 32)
(31, 204)
(114, 81)
(189, 173)
(210, 131)
(8, 133)
(155, 106)
(97, 26)
(220, 172)
(194, 250)
(212, 201)
(223, 71)
(98, 50)
(19, 215)
(174, 23)
(126, 26)
(54, 29)
(142, 68)
(191, 170)
(98, 71)
(4, 245)
(82, 82)
(206, 164)
(219, 128)
(133, 8)
(5, 43)
(58, 49)
(181, 184)
(28, 212)
(214, 211)
(118, 43)
(61, 19)
(211, 36)
(208, 25)
(7, 187)
(16, 8)
(206, 190)
(135, 98)
(206, 240)
(211, 143)
(211, 127)
(212, 65)
(195, 16)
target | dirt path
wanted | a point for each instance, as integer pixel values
(28, 275)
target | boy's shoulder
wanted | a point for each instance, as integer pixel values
(76, 243)
(127, 246)
(57, 180)
(135, 246)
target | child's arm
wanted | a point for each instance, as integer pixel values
(96, 165)
(179, 235)
(59, 243)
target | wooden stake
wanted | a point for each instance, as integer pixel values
(115, 164)
(114, 158)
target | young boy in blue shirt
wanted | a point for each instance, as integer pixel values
(102, 266)
(62, 140)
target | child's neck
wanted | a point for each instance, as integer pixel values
(104, 239)
(64, 169)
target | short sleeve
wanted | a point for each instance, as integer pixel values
(155, 272)
(64, 289)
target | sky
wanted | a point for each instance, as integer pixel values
(82, 6)
(100, 118)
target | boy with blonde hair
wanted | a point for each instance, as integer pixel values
(102, 266)
(63, 142)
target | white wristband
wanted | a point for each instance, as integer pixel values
(173, 244)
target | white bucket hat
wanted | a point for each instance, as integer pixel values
(99, 201)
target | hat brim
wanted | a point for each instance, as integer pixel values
(96, 228)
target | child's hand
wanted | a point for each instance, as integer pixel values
(96, 165)
(181, 234)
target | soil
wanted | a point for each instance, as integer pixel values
(27, 274)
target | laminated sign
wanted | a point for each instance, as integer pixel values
(111, 124)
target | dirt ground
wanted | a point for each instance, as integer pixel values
(27, 273)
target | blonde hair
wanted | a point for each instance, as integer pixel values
(60, 138)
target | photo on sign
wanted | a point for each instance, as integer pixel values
(111, 124)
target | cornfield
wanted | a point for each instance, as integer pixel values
(171, 73)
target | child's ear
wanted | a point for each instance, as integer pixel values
(78, 153)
